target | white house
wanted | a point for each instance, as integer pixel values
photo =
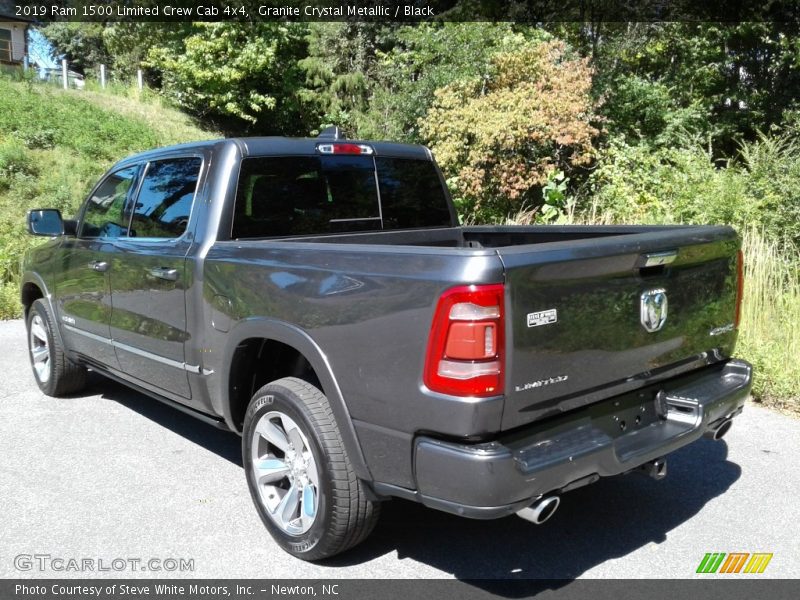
(13, 38)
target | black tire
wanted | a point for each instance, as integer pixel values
(61, 376)
(344, 515)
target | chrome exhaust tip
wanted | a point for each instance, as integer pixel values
(719, 432)
(541, 510)
(723, 429)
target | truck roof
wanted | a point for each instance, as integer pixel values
(274, 145)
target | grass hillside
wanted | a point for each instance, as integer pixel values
(55, 144)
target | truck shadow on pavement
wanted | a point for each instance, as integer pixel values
(595, 524)
(223, 443)
(509, 557)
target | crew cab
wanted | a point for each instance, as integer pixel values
(319, 298)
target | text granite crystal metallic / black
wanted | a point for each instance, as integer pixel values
(318, 297)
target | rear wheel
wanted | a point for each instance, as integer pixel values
(54, 372)
(299, 475)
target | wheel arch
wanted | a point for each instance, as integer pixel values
(32, 288)
(273, 331)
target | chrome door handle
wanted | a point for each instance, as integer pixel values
(165, 273)
(100, 266)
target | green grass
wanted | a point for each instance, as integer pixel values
(770, 327)
(55, 144)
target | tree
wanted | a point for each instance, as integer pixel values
(80, 43)
(500, 137)
(339, 71)
(722, 82)
(130, 42)
(244, 73)
(421, 59)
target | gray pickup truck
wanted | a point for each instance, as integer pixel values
(318, 297)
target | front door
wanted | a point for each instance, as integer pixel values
(83, 293)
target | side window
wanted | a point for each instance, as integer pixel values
(105, 214)
(411, 194)
(5, 45)
(165, 198)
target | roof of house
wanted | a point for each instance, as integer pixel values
(8, 13)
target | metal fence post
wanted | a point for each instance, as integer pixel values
(103, 76)
(64, 72)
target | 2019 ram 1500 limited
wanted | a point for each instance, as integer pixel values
(318, 297)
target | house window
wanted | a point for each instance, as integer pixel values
(5, 45)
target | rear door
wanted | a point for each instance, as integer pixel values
(149, 277)
(82, 289)
(589, 318)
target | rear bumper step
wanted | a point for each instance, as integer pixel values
(615, 436)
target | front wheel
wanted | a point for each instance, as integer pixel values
(299, 474)
(54, 372)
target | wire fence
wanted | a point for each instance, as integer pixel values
(99, 78)
(67, 77)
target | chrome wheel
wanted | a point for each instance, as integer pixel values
(40, 349)
(285, 473)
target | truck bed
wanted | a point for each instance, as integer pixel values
(382, 287)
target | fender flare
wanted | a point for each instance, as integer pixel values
(298, 339)
(36, 279)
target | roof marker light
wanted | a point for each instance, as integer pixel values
(344, 149)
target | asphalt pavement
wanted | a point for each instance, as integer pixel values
(111, 475)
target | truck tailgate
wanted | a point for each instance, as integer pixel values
(589, 319)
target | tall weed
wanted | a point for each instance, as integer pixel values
(769, 335)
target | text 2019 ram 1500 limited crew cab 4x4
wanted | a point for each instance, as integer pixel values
(318, 297)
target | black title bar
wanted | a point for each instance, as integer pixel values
(524, 11)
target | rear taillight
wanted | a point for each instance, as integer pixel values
(465, 348)
(739, 287)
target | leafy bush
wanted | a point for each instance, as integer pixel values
(771, 168)
(642, 109)
(243, 71)
(41, 139)
(14, 160)
(640, 183)
(498, 138)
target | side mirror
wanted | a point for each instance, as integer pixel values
(45, 221)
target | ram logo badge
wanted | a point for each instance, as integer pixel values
(653, 309)
(543, 317)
